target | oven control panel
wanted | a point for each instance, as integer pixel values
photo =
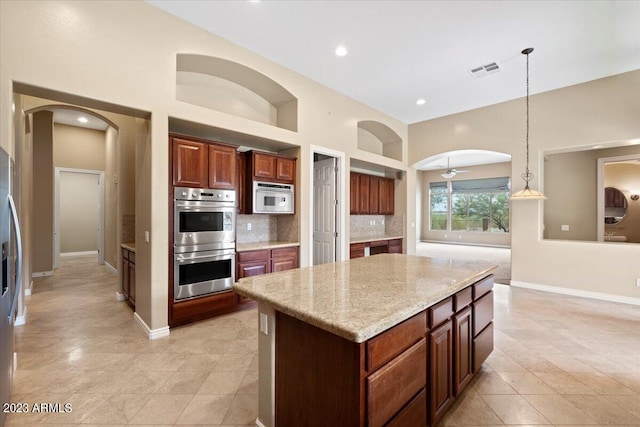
(204, 194)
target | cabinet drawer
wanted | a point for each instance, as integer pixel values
(462, 299)
(262, 255)
(284, 252)
(356, 250)
(440, 312)
(387, 345)
(376, 243)
(392, 386)
(414, 414)
(482, 313)
(482, 347)
(482, 287)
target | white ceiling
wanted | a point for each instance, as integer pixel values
(70, 116)
(461, 158)
(400, 51)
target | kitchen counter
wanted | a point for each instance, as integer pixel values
(129, 246)
(373, 238)
(360, 298)
(243, 247)
(355, 339)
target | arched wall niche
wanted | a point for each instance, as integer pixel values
(233, 88)
(378, 138)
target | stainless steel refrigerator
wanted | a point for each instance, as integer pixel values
(10, 273)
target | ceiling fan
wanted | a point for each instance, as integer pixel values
(450, 173)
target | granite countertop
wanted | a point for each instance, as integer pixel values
(242, 247)
(129, 246)
(359, 298)
(373, 238)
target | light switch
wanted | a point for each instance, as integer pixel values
(248, 226)
(264, 320)
(146, 236)
(564, 227)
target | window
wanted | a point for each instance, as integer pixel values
(478, 205)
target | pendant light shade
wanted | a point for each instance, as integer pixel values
(527, 193)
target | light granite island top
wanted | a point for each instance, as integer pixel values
(360, 298)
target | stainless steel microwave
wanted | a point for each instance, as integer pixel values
(272, 198)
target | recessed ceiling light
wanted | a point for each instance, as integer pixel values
(341, 51)
(421, 101)
(83, 120)
(595, 147)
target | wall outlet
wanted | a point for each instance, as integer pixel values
(638, 281)
(248, 226)
(564, 227)
(264, 322)
(146, 236)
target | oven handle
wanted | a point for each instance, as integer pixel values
(183, 259)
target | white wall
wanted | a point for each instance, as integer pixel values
(583, 115)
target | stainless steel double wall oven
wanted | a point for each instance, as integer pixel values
(204, 241)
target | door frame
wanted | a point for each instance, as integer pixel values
(341, 195)
(56, 212)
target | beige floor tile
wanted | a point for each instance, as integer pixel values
(249, 384)
(631, 403)
(601, 383)
(558, 410)
(206, 409)
(222, 383)
(489, 382)
(118, 408)
(514, 409)
(158, 361)
(503, 363)
(200, 362)
(162, 409)
(470, 409)
(602, 409)
(234, 362)
(243, 410)
(526, 383)
(564, 383)
(183, 382)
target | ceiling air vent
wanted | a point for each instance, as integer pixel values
(485, 70)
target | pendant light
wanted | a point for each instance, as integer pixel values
(527, 193)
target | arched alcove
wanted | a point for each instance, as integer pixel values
(378, 138)
(233, 88)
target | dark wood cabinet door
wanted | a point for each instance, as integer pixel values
(264, 166)
(363, 197)
(282, 264)
(374, 193)
(222, 167)
(132, 283)
(387, 196)
(395, 246)
(355, 193)
(124, 272)
(190, 159)
(440, 372)
(252, 268)
(240, 183)
(285, 169)
(463, 341)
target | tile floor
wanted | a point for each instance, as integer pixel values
(558, 361)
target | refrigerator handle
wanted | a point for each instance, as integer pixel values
(16, 226)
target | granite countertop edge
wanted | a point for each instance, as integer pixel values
(129, 246)
(362, 334)
(374, 238)
(254, 246)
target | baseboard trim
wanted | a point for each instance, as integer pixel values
(42, 273)
(576, 292)
(27, 291)
(259, 423)
(152, 334)
(68, 254)
(120, 297)
(21, 320)
(110, 267)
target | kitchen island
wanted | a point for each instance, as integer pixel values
(384, 340)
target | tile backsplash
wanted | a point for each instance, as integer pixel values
(376, 225)
(267, 228)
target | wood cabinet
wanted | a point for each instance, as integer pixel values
(271, 167)
(128, 276)
(404, 376)
(371, 195)
(284, 259)
(264, 261)
(200, 163)
(393, 246)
